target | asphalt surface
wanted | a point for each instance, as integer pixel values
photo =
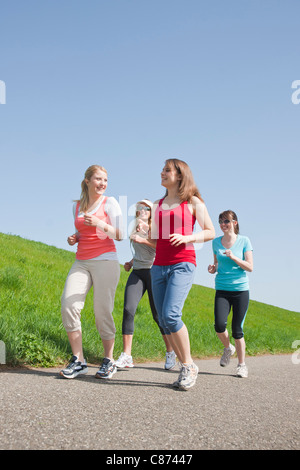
(138, 409)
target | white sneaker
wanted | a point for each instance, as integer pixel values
(188, 376)
(242, 371)
(170, 360)
(227, 353)
(124, 361)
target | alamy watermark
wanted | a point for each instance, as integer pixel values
(2, 92)
(2, 353)
(296, 94)
(296, 354)
(163, 227)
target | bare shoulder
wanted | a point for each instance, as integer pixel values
(196, 201)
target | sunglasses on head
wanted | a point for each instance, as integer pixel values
(225, 221)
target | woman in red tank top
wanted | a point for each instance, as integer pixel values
(175, 262)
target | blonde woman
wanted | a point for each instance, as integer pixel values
(138, 283)
(98, 222)
(175, 261)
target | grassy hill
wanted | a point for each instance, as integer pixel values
(32, 277)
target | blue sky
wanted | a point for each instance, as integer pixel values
(129, 83)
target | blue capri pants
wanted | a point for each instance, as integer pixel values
(170, 287)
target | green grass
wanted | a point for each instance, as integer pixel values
(32, 277)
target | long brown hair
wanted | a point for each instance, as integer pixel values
(84, 197)
(187, 185)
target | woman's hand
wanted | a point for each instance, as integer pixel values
(142, 226)
(177, 239)
(91, 220)
(72, 239)
(136, 238)
(212, 268)
(229, 254)
(128, 266)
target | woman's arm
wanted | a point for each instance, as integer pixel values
(113, 230)
(143, 241)
(246, 264)
(207, 233)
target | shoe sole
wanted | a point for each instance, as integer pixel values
(125, 367)
(241, 376)
(98, 376)
(73, 376)
(187, 387)
(170, 368)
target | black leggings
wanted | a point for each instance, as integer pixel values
(239, 301)
(138, 282)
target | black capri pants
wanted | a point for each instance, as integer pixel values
(239, 301)
(138, 283)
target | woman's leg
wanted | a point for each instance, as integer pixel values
(134, 291)
(221, 312)
(239, 311)
(180, 279)
(105, 277)
(75, 340)
(180, 342)
(76, 288)
(148, 283)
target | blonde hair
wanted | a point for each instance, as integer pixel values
(187, 185)
(84, 197)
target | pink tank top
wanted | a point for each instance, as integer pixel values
(178, 220)
(92, 241)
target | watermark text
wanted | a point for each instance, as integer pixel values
(296, 94)
(2, 353)
(296, 354)
(2, 92)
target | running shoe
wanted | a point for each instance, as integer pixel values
(74, 368)
(187, 377)
(227, 353)
(242, 371)
(170, 360)
(124, 361)
(107, 370)
(176, 383)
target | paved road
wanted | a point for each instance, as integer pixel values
(139, 410)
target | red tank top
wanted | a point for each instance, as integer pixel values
(178, 220)
(92, 241)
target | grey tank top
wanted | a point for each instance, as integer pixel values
(143, 255)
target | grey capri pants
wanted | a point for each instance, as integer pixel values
(104, 276)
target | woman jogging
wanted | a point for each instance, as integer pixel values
(139, 282)
(175, 261)
(98, 222)
(232, 258)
